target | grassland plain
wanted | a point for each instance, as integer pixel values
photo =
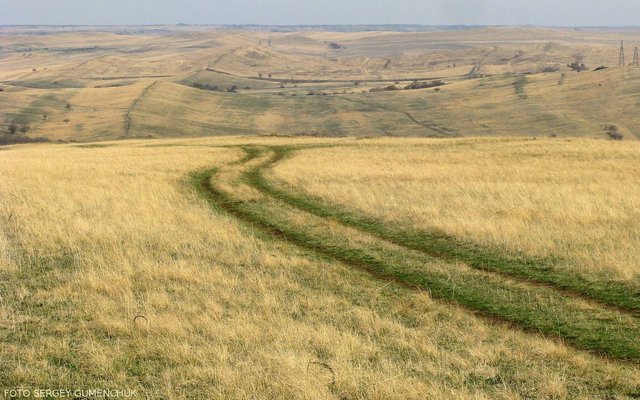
(301, 267)
(576, 199)
(117, 230)
(488, 106)
(499, 81)
(582, 325)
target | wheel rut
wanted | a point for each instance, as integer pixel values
(458, 275)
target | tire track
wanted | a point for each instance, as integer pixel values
(127, 117)
(441, 131)
(531, 308)
(350, 81)
(616, 298)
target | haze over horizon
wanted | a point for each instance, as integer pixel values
(315, 12)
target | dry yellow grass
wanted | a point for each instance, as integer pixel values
(104, 75)
(93, 236)
(573, 198)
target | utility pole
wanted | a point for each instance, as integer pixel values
(621, 58)
(636, 57)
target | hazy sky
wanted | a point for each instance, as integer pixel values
(284, 12)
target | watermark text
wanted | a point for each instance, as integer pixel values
(69, 393)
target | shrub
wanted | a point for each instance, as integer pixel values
(423, 85)
(612, 131)
(578, 67)
(206, 86)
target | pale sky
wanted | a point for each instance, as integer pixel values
(290, 12)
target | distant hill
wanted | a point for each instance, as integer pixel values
(95, 84)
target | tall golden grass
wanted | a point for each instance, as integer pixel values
(577, 199)
(93, 236)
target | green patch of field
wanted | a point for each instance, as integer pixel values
(519, 86)
(49, 84)
(366, 244)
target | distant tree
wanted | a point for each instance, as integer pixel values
(260, 75)
(44, 117)
(68, 107)
(232, 89)
(437, 89)
(24, 128)
(1, 89)
(13, 128)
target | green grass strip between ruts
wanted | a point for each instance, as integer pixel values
(438, 244)
(531, 307)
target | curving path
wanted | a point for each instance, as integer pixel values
(530, 294)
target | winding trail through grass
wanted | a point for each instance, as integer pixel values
(128, 121)
(529, 294)
(439, 131)
(616, 295)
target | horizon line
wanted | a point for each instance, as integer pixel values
(182, 24)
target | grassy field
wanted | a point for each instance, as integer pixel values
(136, 83)
(245, 293)
(224, 213)
(571, 198)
